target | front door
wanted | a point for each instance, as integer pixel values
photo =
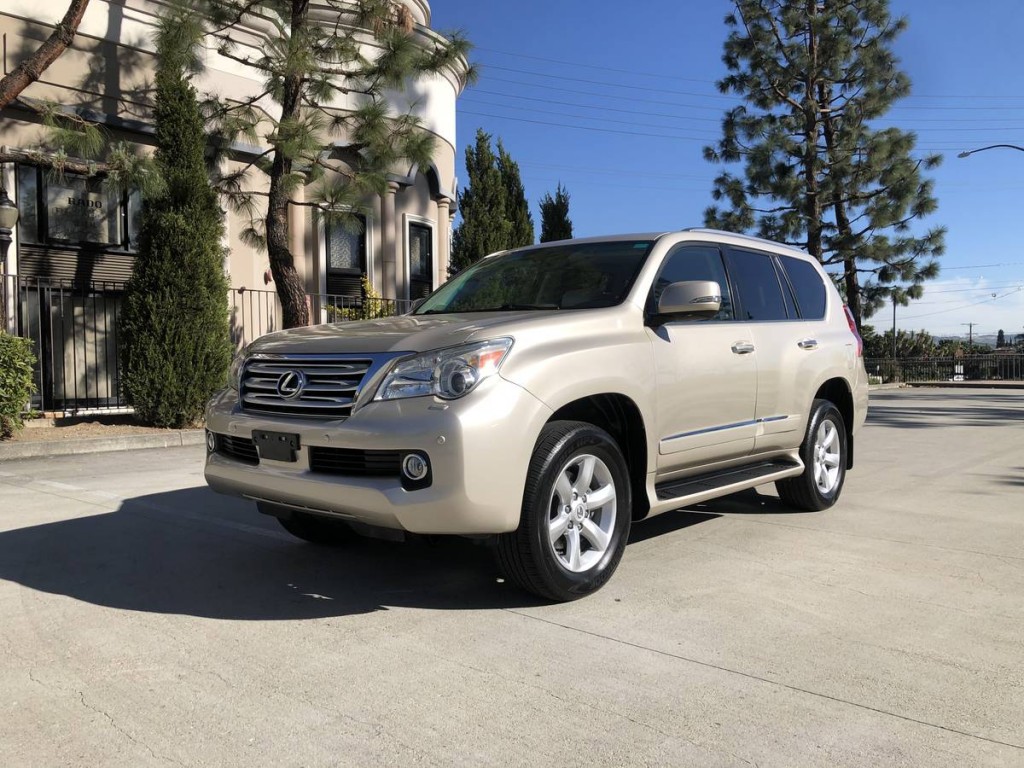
(706, 372)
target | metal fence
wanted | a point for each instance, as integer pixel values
(997, 366)
(74, 330)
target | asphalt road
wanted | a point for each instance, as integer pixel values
(146, 621)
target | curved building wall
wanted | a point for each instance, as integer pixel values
(109, 71)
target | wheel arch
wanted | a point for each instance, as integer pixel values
(838, 392)
(620, 417)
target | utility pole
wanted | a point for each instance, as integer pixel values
(894, 326)
(970, 336)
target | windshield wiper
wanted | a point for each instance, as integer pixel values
(514, 307)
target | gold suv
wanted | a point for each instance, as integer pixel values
(550, 396)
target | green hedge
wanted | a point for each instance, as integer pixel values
(16, 381)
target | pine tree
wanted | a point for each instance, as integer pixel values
(312, 64)
(175, 346)
(555, 223)
(517, 210)
(814, 77)
(485, 227)
(1000, 339)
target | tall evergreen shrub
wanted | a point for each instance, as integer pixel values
(175, 344)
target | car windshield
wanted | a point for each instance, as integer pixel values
(567, 276)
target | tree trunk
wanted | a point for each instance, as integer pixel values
(282, 262)
(812, 200)
(844, 230)
(33, 67)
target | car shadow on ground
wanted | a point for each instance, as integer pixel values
(923, 409)
(193, 552)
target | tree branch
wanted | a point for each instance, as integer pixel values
(33, 67)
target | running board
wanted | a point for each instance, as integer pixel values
(703, 487)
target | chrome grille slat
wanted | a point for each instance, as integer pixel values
(331, 384)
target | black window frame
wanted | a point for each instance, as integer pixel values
(342, 277)
(42, 238)
(418, 283)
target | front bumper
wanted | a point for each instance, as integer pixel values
(479, 449)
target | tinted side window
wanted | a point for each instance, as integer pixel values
(758, 285)
(694, 262)
(807, 284)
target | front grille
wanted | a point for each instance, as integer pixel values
(329, 384)
(354, 462)
(240, 448)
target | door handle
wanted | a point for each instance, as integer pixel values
(807, 344)
(742, 347)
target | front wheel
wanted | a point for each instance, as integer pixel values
(824, 453)
(575, 516)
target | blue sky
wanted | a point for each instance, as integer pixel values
(616, 101)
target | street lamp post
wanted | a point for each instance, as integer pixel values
(969, 152)
(8, 220)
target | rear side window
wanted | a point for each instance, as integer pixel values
(807, 285)
(758, 286)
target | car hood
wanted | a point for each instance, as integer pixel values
(408, 333)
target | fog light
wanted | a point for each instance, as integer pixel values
(211, 441)
(415, 467)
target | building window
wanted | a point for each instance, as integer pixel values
(345, 243)
(421, 261)
(71, 209)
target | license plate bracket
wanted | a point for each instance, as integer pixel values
(276, 446)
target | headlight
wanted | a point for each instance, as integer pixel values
(235, 371)
(448, 373)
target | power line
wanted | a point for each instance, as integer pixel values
(663, 76)
(569, 115)
(587, 127)
(964, 306)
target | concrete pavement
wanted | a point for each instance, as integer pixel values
(149, 622)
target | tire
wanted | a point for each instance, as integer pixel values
(567, 547)
(824, 453)
(321, 531)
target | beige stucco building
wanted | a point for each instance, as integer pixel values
(76, 233)
(107, 76)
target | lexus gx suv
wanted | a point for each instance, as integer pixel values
(548, 397)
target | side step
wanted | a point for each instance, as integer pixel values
(747, 476)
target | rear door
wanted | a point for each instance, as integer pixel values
(787, 346)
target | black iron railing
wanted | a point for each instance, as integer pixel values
(996, 366)
(73, 327)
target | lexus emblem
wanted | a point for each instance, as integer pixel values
(291, 384)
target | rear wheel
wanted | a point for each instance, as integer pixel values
(824, 453)
(575, 515)
(315, 529)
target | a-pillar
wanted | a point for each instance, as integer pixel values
(443, 240)
(389, 247)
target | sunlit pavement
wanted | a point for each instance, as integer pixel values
(147, 621)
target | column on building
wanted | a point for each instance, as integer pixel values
(389, 249)
(443, 240)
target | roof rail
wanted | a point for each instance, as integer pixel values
(741, 236)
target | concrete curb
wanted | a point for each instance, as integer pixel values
(47, 448)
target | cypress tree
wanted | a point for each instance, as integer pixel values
(555, 223)
(484, 228)
(517, 210)
(818, 173)
(175, 345)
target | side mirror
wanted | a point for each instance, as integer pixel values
(692, 298)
